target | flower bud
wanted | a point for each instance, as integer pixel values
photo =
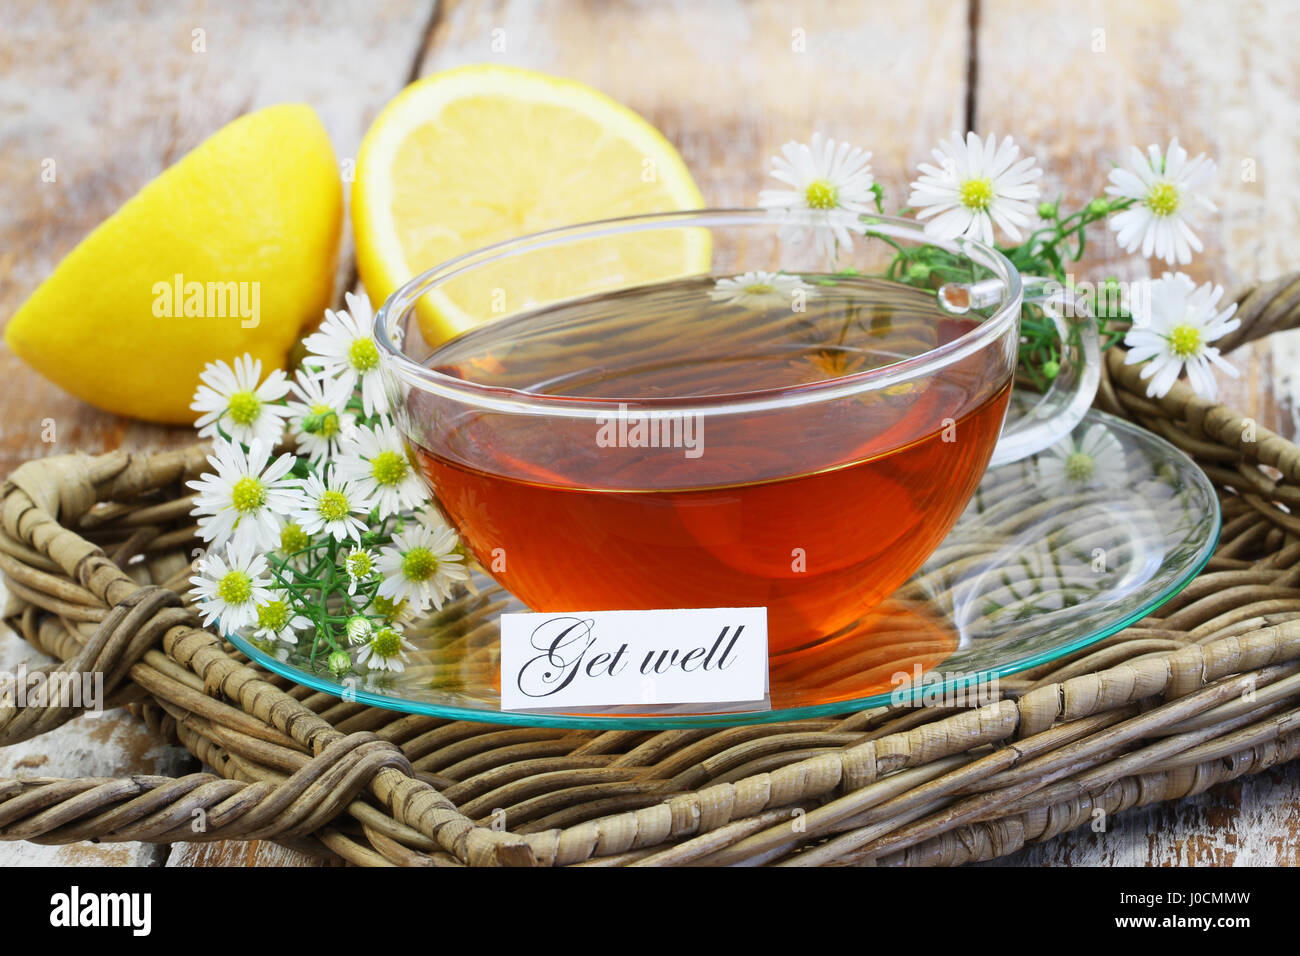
(339, 662)
(358, 629)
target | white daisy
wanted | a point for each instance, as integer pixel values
(328, 505)
(246, 499)
(344, 348)
(320, 421)
(1174, 323)
(824, 176)
(1167, 203)
(386, 650)
(277, 621)
(358, 565)
(761, 290)
(1097, 458)
(975, 186)
(231, 588)
(379, 468)
(421, 566)
(230, 399)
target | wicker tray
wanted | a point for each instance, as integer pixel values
(96, 550)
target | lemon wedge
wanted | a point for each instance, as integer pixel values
(231, 250)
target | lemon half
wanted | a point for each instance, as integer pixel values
(479, 154)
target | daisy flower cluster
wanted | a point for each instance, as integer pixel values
(985, 189)
(327, 550)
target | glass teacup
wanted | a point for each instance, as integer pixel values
(719, 408)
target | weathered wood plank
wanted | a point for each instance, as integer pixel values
(1078, 84)
(113, 95)
(231, 853)
(729, 82)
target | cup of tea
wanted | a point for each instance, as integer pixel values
(719, 408)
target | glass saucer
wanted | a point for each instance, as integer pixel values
(1053, 553)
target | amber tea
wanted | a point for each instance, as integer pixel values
(704, 480)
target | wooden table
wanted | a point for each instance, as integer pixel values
(113, 93)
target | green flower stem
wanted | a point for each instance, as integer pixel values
(327, 589)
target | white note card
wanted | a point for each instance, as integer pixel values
(590, 659)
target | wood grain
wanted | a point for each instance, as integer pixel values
(1078, 84)
(232, 853)
(729, 82)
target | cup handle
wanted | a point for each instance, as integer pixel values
(1071, 393)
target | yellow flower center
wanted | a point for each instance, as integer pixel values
(359, 565)
(419, 564)
(1185, 341)
(235, 587)
(976, 194)
(389, 468)
(1080, 466)
(333, 505)
(248, 494)
(386, 607)
(386, 642)
(293, 539)
(245, 406)
(273, 616)
(363, 356)
(821, 195)
(1163, 199)
(759, 288)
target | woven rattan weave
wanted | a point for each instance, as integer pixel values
(96, 552)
